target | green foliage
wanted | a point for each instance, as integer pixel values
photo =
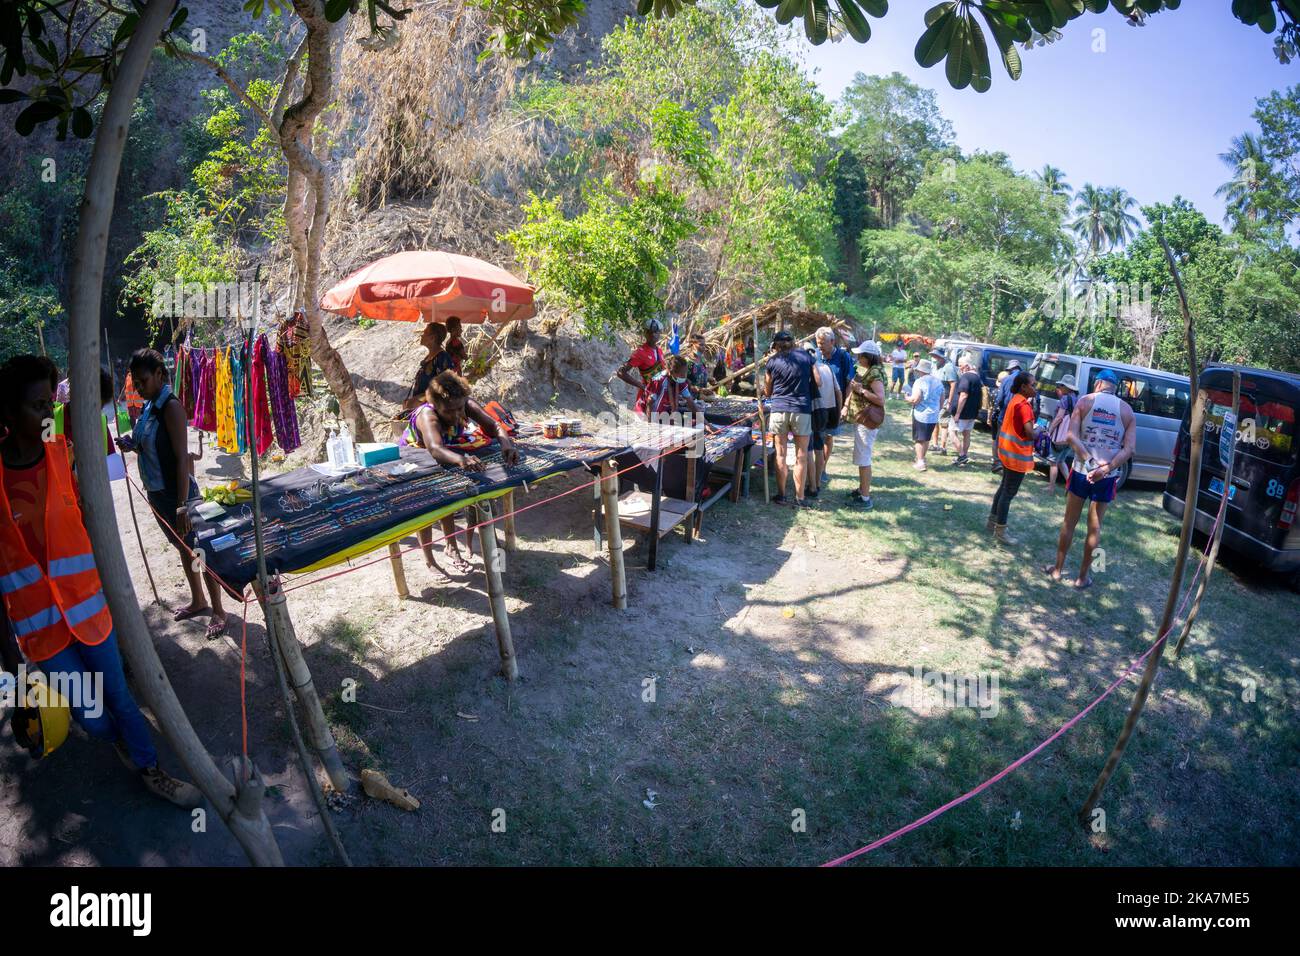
(982, 241)
(189, 245)
(1245, 296)
(607, 264)
(894, 129)
(26, 313)
(707, 106)
(954, 29)
(236, 196)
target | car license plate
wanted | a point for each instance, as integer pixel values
(1216, 488)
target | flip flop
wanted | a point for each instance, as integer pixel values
(1085, 585)
(458, 563)
(440, 575)
(1050, 571)
(216, 628)
(185, 613)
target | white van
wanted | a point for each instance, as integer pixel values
(1159, 401)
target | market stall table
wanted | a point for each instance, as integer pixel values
(313, 519)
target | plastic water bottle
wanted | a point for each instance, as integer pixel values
(347, 447)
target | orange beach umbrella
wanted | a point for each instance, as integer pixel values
(408, 286)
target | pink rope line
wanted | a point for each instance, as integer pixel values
(1015, 765)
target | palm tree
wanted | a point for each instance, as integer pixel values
(1120, 224)
(1089, 222)
(1252, 171)
(1053, 181)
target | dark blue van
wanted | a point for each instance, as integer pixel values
(1261, 518)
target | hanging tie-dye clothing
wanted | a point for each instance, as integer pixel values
(238, 380)
(262, 434)
(227, 440)
(205, 405)
(181, 381)
(283, 412)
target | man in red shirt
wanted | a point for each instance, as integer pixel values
(645, 370)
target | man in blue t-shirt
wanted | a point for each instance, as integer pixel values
(789, 381)
(842, 367)
(926, 394)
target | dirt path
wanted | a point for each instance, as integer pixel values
(762, 672)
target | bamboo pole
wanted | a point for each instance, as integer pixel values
(276, 606)
(487, 535)
(508, 504)
(1180, 562)
(399, 571)
(613, 532)
(1217, 533)
(130, 499)
(762, 420)
(238, 806)
(690, 492)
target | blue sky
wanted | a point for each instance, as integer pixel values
(1151, 113)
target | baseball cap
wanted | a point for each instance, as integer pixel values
(783, 336)
(1014, 363)
(867, 347)
(1106, 375)
(1067, 381)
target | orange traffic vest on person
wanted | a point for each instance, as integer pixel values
(50, 606)
(134, 401)
(1015, 453)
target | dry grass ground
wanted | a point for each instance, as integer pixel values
(777, 648)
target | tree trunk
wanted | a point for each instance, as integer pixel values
(239, 809)
(307, 206)
(993, 311)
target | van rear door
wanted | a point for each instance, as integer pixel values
(1265, 484)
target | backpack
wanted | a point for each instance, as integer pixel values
(504, 419)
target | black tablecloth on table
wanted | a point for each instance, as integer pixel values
(309, 517)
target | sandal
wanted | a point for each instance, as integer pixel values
(440, 575)
(458, 562)
(1083, 585)
(216, 627)
(185, 613)
(1050, 571)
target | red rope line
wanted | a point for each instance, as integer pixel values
(1016, 764)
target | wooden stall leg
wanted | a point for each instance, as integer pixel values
(276, 607)
(737, 469)
(613, 532)
(597, 516)
(508, 504)
(487, 535)
(655, 499)
(399, 571)
(690, 494)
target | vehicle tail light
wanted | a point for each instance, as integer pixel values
(1289, 506)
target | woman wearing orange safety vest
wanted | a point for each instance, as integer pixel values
(1015, 452)
(53, 601)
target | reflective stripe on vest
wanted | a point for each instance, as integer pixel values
(62, 567)
(20, 578)
(83, 612)
(38, 621)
